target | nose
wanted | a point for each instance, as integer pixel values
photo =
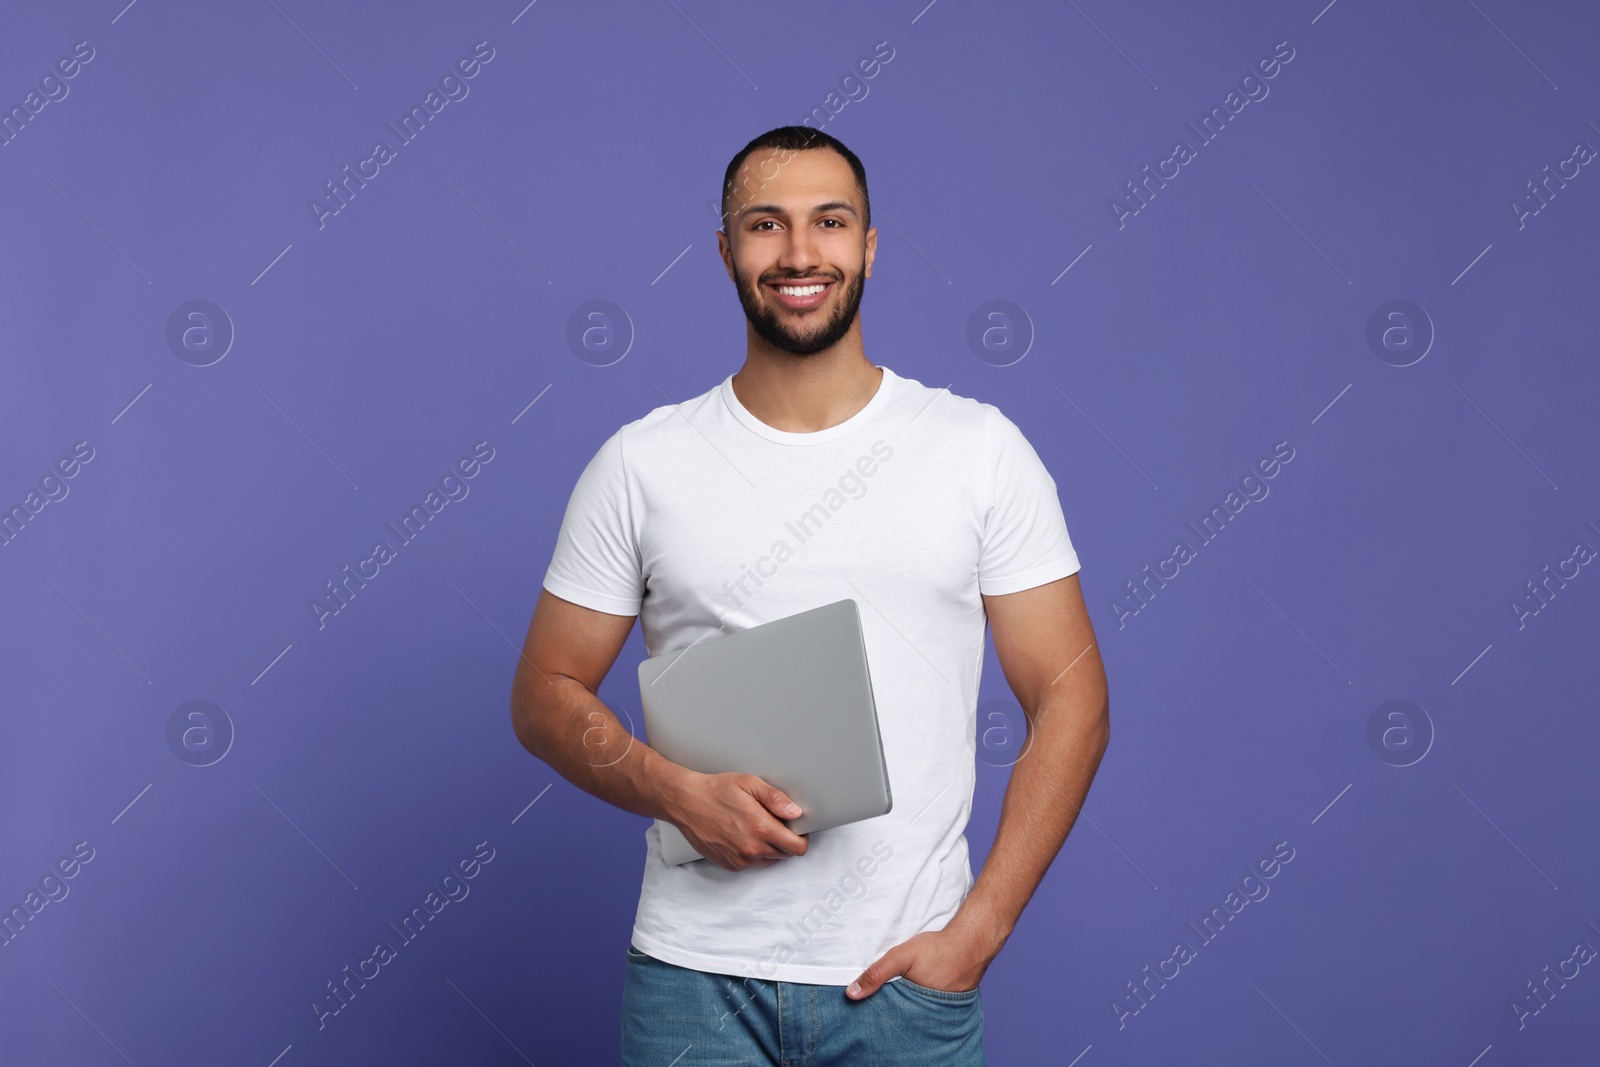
(800, 252)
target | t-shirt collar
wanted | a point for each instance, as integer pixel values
(816, 437)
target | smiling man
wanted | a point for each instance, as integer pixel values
(865, 943)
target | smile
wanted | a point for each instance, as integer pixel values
(804, 295)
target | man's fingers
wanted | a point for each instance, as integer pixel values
(755, 838)
(776, 800)
(783, 805)
(787, 841)
(779, 843)
(871, 979)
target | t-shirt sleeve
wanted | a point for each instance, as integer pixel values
(596, 562)
(1025, 540)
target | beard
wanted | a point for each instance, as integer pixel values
(771, 321)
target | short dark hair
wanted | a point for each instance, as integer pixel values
(796, 139)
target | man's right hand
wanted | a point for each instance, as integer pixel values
(733, 820)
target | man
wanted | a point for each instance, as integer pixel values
(809, 476)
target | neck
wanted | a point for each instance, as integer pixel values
(804, 394)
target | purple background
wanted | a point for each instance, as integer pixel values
(1230, 313)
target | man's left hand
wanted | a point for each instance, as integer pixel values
(952, 959)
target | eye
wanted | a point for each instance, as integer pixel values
(764, 222)
(836, 222)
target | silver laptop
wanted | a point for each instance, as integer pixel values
(788, 700)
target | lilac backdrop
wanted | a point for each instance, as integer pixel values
(243, 851)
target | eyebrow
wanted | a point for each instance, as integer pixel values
(774, 209)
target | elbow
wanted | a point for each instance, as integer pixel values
(521, 725)
(524, 716)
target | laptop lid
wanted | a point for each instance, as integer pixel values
(788, 700)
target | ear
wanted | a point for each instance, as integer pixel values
(725, 250)
(872, 252)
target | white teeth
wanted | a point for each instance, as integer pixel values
(801, 290)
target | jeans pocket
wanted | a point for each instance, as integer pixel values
(965, 996)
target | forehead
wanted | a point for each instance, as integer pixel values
(808, 177)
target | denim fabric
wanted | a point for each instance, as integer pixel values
(679, 1017)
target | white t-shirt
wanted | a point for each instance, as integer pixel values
(703, 520)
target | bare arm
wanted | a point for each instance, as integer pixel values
(731, 818)
(1047, 650)
(559, 718)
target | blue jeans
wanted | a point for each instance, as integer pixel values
(677, 1017)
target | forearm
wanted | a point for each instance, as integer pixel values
(1068, 735)
(561, 722)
